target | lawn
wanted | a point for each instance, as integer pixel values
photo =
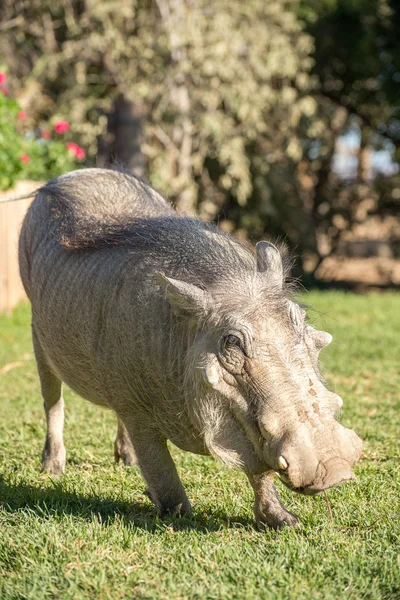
(93, 534)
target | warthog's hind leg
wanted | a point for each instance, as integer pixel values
(268, 509)
(53, 457)
(123, 449)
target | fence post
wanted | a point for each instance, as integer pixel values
(11, 216)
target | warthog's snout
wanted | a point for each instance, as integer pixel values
(328, 475)
(309, 468)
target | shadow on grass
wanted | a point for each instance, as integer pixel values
(56, 502)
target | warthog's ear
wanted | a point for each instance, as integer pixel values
(270, 261)
(185, 298)
(321, 339)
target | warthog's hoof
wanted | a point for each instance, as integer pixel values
(276, 519)
(170, 508)
(53, 465)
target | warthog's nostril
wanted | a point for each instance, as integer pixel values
(282, 463)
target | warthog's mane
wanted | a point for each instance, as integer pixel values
(186, 243)
(132, 215)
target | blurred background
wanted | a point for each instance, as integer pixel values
(276, 119)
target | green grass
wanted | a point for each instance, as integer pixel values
(93, 534)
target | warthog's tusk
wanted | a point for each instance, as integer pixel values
(282, 463)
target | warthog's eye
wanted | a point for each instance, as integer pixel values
(232, 353)
(232, 341)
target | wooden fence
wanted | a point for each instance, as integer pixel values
(11, 216)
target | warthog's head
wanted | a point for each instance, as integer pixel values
(255, 363)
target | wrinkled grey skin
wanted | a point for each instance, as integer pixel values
(185, 333)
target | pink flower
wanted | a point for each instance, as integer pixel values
(5, 91)
(24, 158)
(80, 153)
(3, 77)
(71, 147)
(76, 150)
(45, 134)
(61, 126)
(22, 115)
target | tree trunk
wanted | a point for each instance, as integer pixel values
(364, 166)
(122, 143)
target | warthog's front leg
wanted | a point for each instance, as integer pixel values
(165, 489)
(123, 449)
(268, 509)
(53, 457)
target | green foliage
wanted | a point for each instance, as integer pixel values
(94, 534)
(47, 159)
(24, 152)
(10, 143)
(362, 71)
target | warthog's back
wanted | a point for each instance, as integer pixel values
(90, 247)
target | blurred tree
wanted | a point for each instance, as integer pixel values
(357, 66)
(215, 80)
(236, 106)
(357, 59)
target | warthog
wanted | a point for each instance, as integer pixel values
(186, 333)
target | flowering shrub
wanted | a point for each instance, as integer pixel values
(32, 153)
